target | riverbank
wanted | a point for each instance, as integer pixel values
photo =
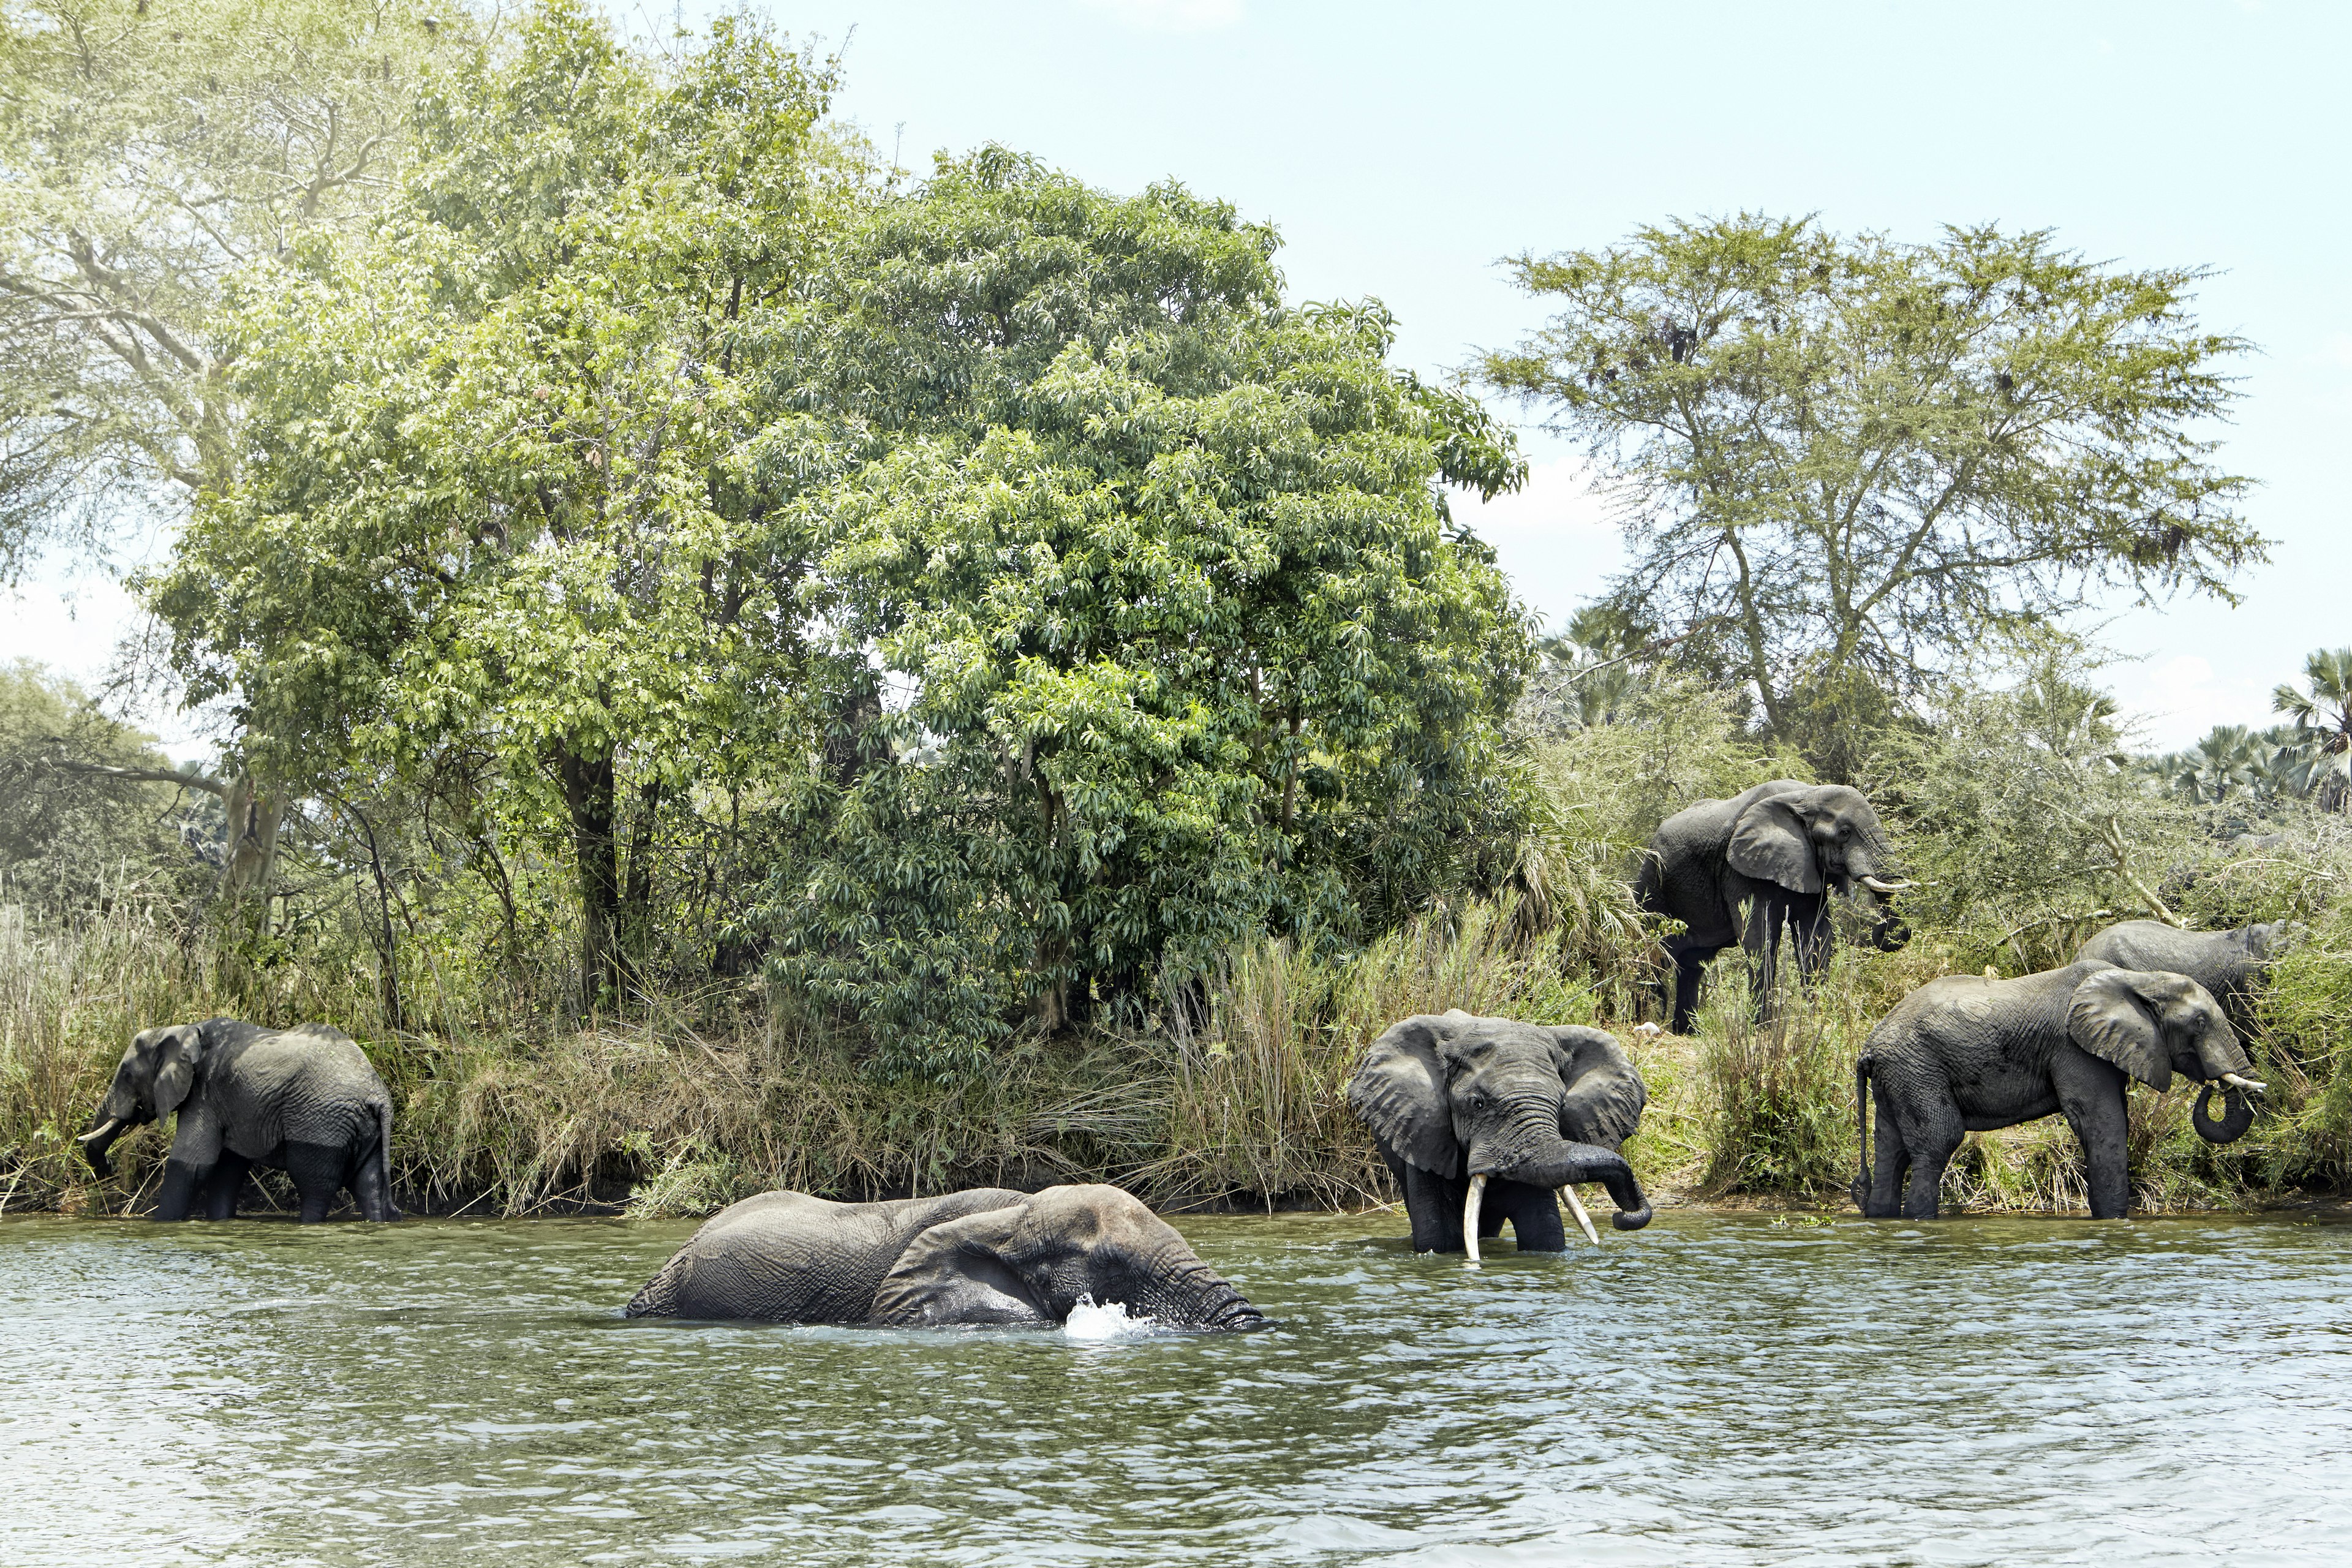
(678, 1110)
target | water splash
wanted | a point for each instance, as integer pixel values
(1108, 1322)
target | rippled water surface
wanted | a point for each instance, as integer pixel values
(1713, 1390)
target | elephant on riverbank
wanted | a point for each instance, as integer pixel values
(1484, 1120)
(988, 1255)
(304, 1100)
(1965, 1054)
(1744, 870)
(2226, 962)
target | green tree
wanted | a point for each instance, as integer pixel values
(493, 524)
(1841, 462)
(2323, 721)
(1152, 629)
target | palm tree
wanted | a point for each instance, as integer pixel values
(2322, 717)
(2226, 759)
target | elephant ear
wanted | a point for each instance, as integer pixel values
(180, 1050)
(2110, 1019)
(1605, 1095)
(957, 1272)
(1769, 843)
(1400, 1093)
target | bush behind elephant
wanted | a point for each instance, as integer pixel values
(304, 1100)
(1747, 869)
(985, 1256)
(1967, 1054)
(1483, 1120)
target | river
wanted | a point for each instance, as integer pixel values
(1716, 1389)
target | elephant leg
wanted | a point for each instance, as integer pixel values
(1889, 1161)
(2097, 1113)
(318, 1171)
(371, 1188)
(1690, 968)
(1433, 1205)
(177, 1196)
(227, 1181)
(1761, 940)
(1931, 1135)
(1534, 1214)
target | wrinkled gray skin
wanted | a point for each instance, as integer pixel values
(304, 1100)
(1744, 869)
(988, 1255)
(1964, 1054)
(2226, 962)
(1531, 1107)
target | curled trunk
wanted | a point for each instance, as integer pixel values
(2237, 1114)
(1563, 1163)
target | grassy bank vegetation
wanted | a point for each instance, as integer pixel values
(1229, 1090)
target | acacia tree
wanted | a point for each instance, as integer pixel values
(492, 506)
(1152, 633)
(1841, 462)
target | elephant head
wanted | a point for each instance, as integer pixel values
(157, 1071)
(1814, 837)
(2153, 1024)
(1457, 1095)
(1035, 1258)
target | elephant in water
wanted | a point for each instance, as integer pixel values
(2226, 962)
(1745, 868)
(304, 1100)
(1482, 1119)
(1964, 1054)
(986, 1256)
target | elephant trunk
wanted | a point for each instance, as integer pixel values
(1189, 1293)
(2227, 1070)
(1562, 1163)
(98, 1140)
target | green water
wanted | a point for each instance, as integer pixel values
(1713, 1390)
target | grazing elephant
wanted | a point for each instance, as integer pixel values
(1963, 1053)
(1745, 869)
(1483, 1120)
(304, 1100)
(2226, 962)
(986, 1256)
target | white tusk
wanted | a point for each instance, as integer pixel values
(98, 1133)
(1576, 1207)
(1470, 1217)
(2248, 1085)
(1877, 886)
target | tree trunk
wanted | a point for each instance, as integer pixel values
(637, 893)
(256, 813)
(588, 794)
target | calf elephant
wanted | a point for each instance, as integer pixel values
(986, 1256)
(2226, 962)
(1483, 1120)
(1964, 1054)
(304, 1100)
(1747, 869)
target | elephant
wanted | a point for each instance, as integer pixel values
(2226, 962)
(985, 1256)
(1745, 869)
(1967, 1053)
(304, 1100)
(1482, 1119)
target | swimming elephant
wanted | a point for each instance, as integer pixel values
(2226, 962)
(1744, 869)
(989, 1254)
(1483, 1120)
(304, 1100)
(1964, 1052)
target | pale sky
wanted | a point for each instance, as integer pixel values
(1401, 149)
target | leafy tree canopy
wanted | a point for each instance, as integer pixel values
(1843, 461)
(1157, 576)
